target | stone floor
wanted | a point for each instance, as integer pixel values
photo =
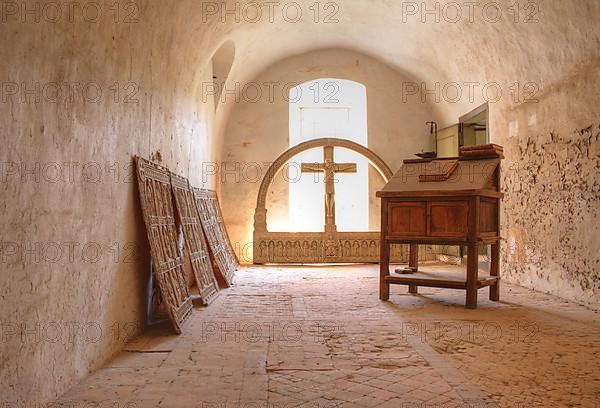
(319, 337)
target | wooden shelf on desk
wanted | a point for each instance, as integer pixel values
(448, 280)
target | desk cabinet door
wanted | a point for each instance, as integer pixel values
(407, 219)
(448, 219)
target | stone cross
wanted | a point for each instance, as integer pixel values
(330, 168)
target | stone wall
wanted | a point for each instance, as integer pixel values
(551, 213)
(552, 183)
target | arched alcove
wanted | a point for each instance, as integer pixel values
(222, 61)
(259, 130)
(329, 245)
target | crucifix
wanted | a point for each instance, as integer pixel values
(330, 168)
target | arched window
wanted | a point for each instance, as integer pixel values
(333, 108)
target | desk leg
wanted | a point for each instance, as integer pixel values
(384, 270)
(413, 257)
(384, 254)
(495, 271)
(472, 275)
(413, 262)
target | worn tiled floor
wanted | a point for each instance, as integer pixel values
(319, 337)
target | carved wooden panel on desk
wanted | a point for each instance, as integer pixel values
(408, 218)
(488, 216)
(448, 219)
(157, 206)
(195, 241)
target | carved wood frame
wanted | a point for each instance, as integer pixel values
(225, 262)
(156, 199)
(195, 240)
(317, 247)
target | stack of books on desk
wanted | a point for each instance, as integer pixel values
(482, 150)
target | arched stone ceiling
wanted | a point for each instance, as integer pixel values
(436, 48)
(473, 48)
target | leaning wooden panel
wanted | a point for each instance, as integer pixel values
(159, 217)
(228, 246)
(216, 235)
(195, 241)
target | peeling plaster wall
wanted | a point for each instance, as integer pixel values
(552, 183)
(258, 132)
(74, 258)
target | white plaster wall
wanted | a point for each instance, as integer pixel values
(74, 258)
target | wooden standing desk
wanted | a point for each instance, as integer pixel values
(463, 210)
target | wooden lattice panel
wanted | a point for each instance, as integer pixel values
(157, 207)
(232, 257)
(195, 241)
(216, 234)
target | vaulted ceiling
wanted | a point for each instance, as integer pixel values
(492, 41)
(434, 42)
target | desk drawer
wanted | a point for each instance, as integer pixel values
(434, 219)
